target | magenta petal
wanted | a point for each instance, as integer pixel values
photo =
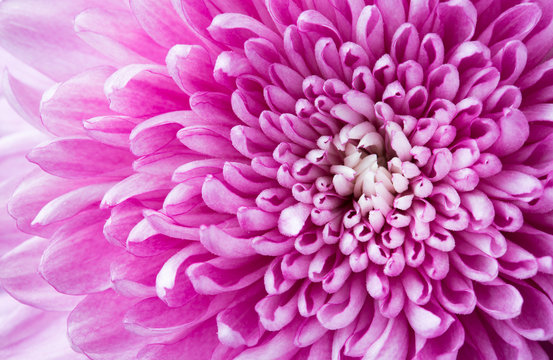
(428, 321)
(220, 243)
(68, 250)
(145, 240)
(213, 107)
(104, 312)
(313, 21)
(143, 90)
(500, 300)
(474, 264)
(235, 29)
(539, 39)
(223, 275)
(207, 140)
(239, 325)
(199, 344)
(172, 285)
(394, 13)
(135, 277)
(457, 20)
(191, 68)
(309, 332)
(480, 207)
(70, 204)
(65, 106)
(536, 319)
(80, 157)
(118, 34)
(157, 132)
(513, 24)
(160, 20)
(370, 31)
(279, 345)
(445, 345)
(152, 317)
(515, 185)
(219, 197)
(456, 293)
(26, 22)
(278, 310)
(134, 185)
(292, 219)
(518, 262)
(21, 279)
(23, 98)
(390, 342)
(343, 306)
(110, 130)
(514, 132)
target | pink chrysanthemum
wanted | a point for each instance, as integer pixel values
(287, 179)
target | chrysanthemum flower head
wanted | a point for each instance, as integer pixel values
(288, 179)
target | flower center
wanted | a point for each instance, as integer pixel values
(360, 169)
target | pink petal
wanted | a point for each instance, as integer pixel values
(80, 157)
(219, 197)
(279, 345)
(445, 345)
(239, 325)
(27, 23)
(428, 321)
(117, 35)
(498, 299)
(343, 306)
(199, 344)
(514, 133)
(110, 130)
(213, 107)
(390, 343)
(513, 24)
(455, 293)
(172, 285)
(155, 133)
(132, 186)
(220, 243)
(104, 312)
(235, 29)
(70, 204)
(20, 278)
(536, 319)
(223, 275)
(457, 21)
(132, 276)
(65, 106)
(143, 90)
(191, 68)
(63, 265)
(160, 20)
(278, 310)
(208, 140)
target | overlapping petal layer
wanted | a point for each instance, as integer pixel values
(292, 179)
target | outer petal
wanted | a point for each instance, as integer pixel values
(20, 277)
(143, 90)
(160, 20)
(199, 344)
(29, 22)
(103, 312)
(78, 260)
(118, 35)
(65, 106)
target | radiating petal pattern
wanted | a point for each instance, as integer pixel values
(282, 179)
